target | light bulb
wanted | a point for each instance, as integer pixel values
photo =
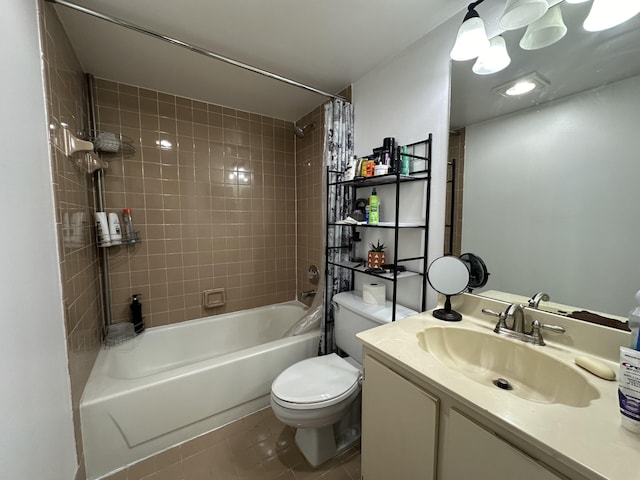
(520, 13)
(471, 40)
(606, 14)
(494, 58)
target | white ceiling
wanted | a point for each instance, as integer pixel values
(327, 44)
(578, 62)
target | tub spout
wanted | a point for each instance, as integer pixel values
(307, 294)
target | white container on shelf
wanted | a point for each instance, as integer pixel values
(115, 232)
(102, 230)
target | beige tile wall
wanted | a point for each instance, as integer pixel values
(215, 209)
(73, 192)
(309, 159)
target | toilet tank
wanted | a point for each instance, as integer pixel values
(352, 316)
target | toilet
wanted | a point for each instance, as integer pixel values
(320, 396)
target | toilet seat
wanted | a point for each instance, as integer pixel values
(315, 383)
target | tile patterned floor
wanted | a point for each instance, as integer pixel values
(257, 447)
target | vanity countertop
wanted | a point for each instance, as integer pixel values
(590, 440)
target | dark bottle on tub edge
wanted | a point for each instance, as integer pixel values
(136, 314)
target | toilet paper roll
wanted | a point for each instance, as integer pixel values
(374, 293)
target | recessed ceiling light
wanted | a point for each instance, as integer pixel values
(520, 88)
(532, 82)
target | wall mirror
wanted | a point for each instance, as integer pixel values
(551, 190)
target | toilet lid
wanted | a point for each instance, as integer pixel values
(316, 380)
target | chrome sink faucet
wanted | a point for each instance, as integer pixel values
(537, 298)
(515, 312)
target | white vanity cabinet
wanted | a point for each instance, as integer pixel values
(470, 451)
(399, 426)
(410, 433)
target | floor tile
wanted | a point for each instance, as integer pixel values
(257, 447)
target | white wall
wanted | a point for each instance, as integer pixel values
(551, 199)
(37, 439)
(408, 98)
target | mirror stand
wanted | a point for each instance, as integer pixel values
(446, 313)
(449, 276)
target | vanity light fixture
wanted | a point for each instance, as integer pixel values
(520, 13)
(472, 38)
(606, 14)
(532, 82)
(545, 31)
(494, 58)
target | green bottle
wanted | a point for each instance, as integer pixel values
(404, 162)
(374, 207)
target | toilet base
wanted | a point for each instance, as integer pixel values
(318, 445)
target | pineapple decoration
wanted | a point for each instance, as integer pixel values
(376, 257)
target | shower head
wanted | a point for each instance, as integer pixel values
(300, 131)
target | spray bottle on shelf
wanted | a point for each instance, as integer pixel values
(129, 234)
(136, 314)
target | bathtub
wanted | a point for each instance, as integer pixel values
(176, 382)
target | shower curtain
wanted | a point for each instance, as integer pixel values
(338, 148)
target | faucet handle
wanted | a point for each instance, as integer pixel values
(553, 328)
(486, 311)
(502, 316)
(537, 336)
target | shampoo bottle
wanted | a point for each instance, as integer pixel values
(102, 230)
(374, 206)
(114, 229)
(136, 314)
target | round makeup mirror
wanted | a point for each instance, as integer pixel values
(449, 276)
(478, 273)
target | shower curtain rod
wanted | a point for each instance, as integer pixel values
(193, 48)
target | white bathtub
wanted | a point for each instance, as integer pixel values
(174, 383)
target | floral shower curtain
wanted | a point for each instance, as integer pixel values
(338, 148)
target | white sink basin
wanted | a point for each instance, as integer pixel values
(530, 372)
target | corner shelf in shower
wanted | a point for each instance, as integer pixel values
(111, 144)
(70, 144)
(134, 240)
